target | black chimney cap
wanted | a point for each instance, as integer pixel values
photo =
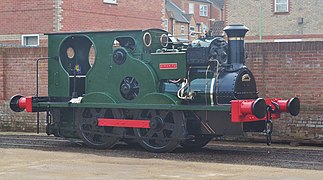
(236, 30)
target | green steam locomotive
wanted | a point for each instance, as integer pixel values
(143, 86)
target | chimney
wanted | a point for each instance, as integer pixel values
(236, 54)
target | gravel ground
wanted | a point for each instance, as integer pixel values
(29, 156)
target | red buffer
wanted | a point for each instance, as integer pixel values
(255, 110)
(19, 103)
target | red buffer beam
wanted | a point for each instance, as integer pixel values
(255, 110)
(248, 110)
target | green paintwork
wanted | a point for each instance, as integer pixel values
(110, 80)
(105, 76)
(57, 76)
(102, 80)
(98, 97)
(159, 98)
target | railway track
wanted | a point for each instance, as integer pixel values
(220, 152)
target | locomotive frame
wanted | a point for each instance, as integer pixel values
(145, 88)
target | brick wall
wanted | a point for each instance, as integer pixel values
(282, 70)
(43, 16)
(96, 15)
(26, 17)
(18, 76)
(278, 25)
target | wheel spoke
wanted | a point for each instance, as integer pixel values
(150, 133)
(163, 114)
(89, 134)
(131, 80)
(169, 126)
(160, 134)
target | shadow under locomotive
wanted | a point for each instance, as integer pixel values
(142, 86)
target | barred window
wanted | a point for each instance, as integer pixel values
(203, 10)
(281, 5)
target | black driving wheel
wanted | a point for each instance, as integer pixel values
(90, 133)
(167, 128)
(196, 143)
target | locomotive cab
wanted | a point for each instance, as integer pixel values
(74, 57)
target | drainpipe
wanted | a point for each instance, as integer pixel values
(188, 31)
(260, 21)
(210, 15)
